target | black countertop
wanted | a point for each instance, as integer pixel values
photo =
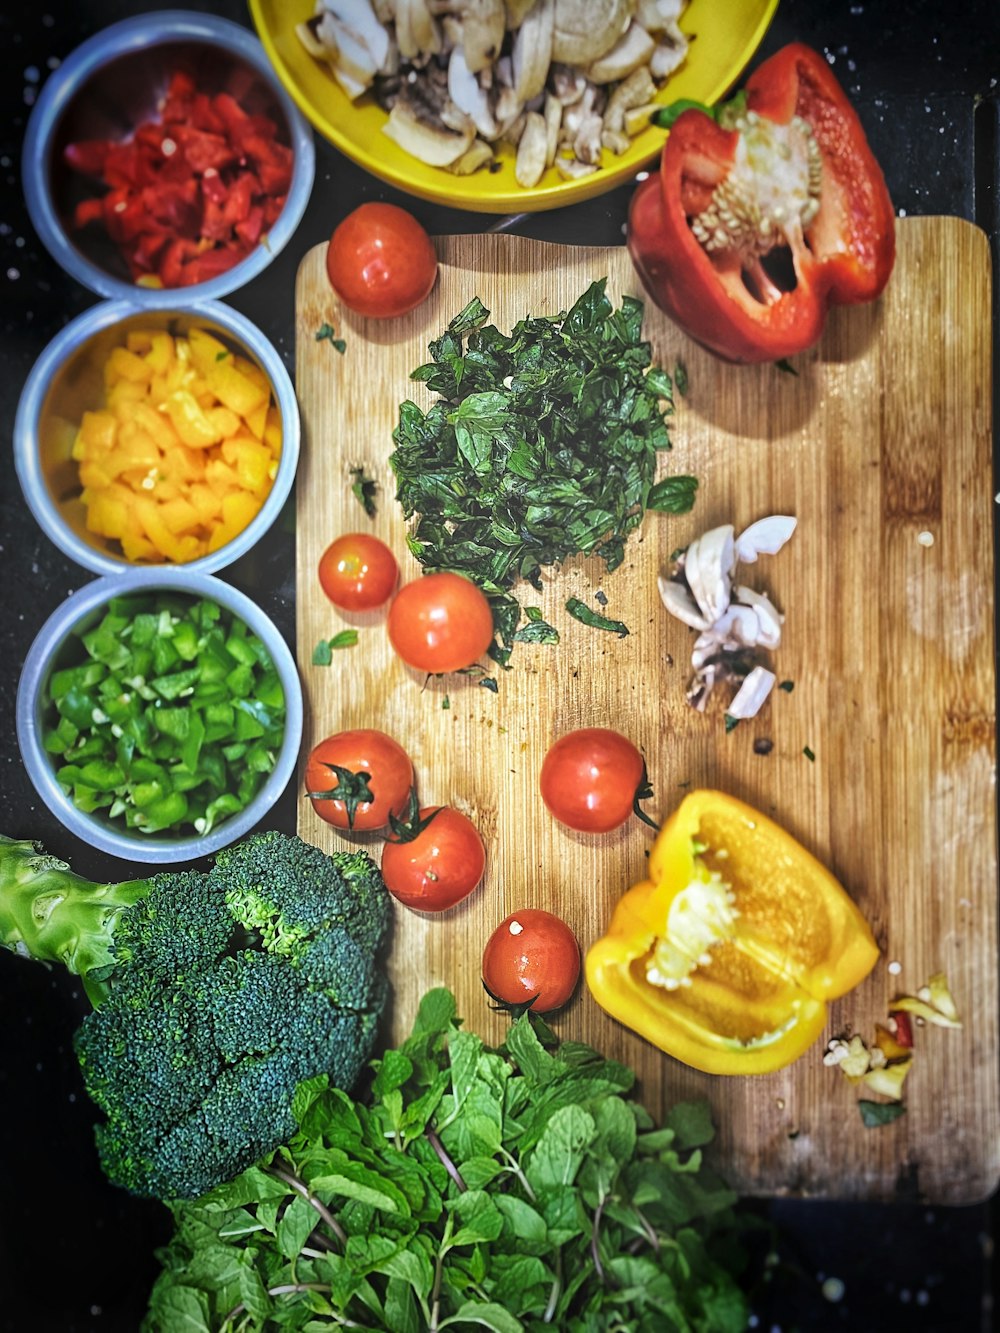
(76, 1255)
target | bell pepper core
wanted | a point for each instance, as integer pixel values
(726, 956)
(750, 232)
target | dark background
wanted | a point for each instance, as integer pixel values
(76, 1255)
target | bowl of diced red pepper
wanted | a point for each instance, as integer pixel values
(164, 155)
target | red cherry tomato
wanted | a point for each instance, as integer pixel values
(380, 261)
(373, 782)
(440, 622)
(358, 572)
(440, 865)
(592, 778)
(532, 954)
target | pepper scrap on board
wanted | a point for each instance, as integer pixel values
(726, 955)
(745, 196)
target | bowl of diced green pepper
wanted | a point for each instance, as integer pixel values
(159, 714)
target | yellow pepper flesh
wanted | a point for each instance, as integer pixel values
(748, 934)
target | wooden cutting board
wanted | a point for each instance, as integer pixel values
(880, 444)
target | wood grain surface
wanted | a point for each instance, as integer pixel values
(881, 438)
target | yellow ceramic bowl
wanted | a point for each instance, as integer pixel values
(726, 33)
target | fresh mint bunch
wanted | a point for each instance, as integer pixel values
(513, 1189)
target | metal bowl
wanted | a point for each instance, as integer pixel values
(108, 87)
(53, 648)
(66, 381)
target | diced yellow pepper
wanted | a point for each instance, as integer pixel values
(272, 431)
(207, 503)
(122, 397)
(225, 420)
(125, 365)
(253, 372)
(206, 350)
(251, 461)
(180, 516)
(234, 389)
(155, 424)
(189, 420)
(256, 421)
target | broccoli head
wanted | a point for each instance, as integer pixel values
(215, 994)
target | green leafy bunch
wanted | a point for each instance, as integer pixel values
(510, 1189)
(542, 445)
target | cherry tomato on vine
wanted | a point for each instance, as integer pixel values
(358, 572)
(357, 779)
(593, 779)
(532, 959)
(440, 622)
(436, 860)
(380, 261)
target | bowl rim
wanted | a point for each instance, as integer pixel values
(95, 319)
(137, 33)
(37, 667)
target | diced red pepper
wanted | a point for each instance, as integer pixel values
(902, 1027)
(190, 194)
(704, 232)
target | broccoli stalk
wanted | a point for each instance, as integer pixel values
(215, 994)
(49, 913)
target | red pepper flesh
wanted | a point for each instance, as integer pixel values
(796, 175)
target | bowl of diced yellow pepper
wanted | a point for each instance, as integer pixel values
(157, 437)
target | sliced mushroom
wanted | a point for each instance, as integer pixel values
(655, 15)
(570, 169)
(638, 118)
(531, 54)
(553, 115)
(633, 49)
(666, 58)
(416, 31)
(567, 84)
(708, 568)
(507, 110)
(362, 21)
(516, 11)
(769, 617)
(433, 144)
(478, 155)
(353, 57)
(385, 10)
(680, 603)
(631, 92)
(530, 164)
(306, 33)
(465, 92)
(752, 693)
(512, 133)
(484, 23)
(587, 143)
(586, 29)
(765, 537)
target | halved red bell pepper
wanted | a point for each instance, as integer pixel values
(737, 196)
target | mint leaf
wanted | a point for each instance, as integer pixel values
(875, 1114)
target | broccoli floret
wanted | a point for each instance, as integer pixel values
(215, 995)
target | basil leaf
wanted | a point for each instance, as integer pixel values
(582, 612)
(875, 1114)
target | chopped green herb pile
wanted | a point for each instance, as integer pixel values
(171, 718)
(512, 1189)
(543, 445)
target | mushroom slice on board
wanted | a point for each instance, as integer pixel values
(585, 29)
(768, 615)
(631, 50)
(765, 537)
(752, 693)
(708, 568)
(433, 144)
(531, 54)
(680, 603)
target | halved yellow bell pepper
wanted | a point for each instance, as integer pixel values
(726, 956)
